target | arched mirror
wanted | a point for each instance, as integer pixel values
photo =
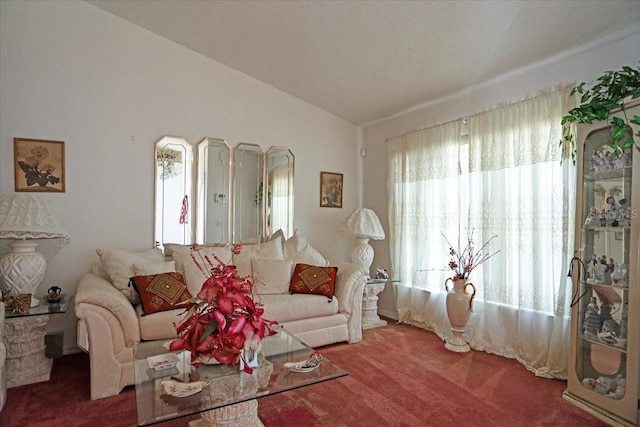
(173, 192)
(248, 168)
(213, 216)
(279, 214)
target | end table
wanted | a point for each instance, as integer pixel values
(370, 318)
(26, 361)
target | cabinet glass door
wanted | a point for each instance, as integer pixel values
(604, 283)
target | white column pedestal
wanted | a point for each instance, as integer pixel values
(26, 361)
(370, 318)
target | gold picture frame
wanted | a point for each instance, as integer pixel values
(38, 165)
(331, 190)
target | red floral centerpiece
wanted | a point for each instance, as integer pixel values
(222, 319)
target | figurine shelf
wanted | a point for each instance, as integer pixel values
(604, 359)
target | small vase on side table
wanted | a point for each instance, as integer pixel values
(459, 308)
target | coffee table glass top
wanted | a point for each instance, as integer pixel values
(225, 384)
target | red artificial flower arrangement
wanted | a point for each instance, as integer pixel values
(222, 319)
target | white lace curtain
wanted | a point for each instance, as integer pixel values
(505, 179)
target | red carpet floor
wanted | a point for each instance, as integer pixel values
(398, 376)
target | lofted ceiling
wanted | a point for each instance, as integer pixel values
(367, 60)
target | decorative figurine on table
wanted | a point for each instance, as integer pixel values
(592, 321)
(54, 294)
(602, 217)
(381, 273)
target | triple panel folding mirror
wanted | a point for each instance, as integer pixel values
(222, 196)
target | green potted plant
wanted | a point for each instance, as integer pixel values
(611, 91)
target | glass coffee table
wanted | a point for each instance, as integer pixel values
(223, 394)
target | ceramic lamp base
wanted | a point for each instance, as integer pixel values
(362, 253)
(22, 270)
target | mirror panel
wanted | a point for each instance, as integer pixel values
(173, 192)
(225, 204)
(213, 215)
(280, 172)
(248, 170)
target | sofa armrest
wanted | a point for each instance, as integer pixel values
(98, 295)
(350, 283)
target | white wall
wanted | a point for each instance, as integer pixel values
(585, 64)
(72, 72)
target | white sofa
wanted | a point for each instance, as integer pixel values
(110, 325)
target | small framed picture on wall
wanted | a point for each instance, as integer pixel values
(330, 190)
(38, 165)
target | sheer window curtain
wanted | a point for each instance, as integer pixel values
(518, 189)
(281, 203)
(424, 187)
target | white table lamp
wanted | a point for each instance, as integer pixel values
(24, 219)
(364, 224)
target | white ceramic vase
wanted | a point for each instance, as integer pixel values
(459, 308)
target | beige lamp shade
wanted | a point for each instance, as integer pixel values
(25, 218)
(364, 224)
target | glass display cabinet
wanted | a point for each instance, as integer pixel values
(604, 358)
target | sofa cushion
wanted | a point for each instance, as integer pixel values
(271, 276)
(314, 279)
(269, 250)
(161, 292)
(289, 307)
(159, 326)
(154, 268)
(182, 255)
(119, 266)
(299, 250)
(195, 277)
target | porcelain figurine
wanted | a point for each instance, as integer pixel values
(620, 388)
(381, 273)
(605, 311)
(623, 321)
(592, 321)
(590, 220)
(605, 385)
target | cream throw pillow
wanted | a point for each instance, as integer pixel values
(271, 276)
(119, 266)
(268, 250)
(195, 278)
(298, 250)
(154, 268)
(182, 256)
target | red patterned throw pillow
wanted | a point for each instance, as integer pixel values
(161, 292)
(314, 279)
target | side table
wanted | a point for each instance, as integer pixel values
(26, 361)
(370, 318)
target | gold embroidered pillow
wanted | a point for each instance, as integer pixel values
(314, 279)
(161, 292)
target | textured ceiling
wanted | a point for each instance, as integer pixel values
(367, 60)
